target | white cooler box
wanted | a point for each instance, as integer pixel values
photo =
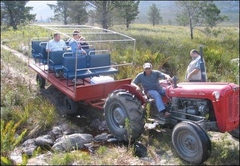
(101, 79)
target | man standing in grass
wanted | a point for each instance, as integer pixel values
(193, 72)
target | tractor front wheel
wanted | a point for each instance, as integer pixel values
(191, 142)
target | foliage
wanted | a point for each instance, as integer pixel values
(14, 13)
(198, 13)
(154, 15)
(128, 10)
(211, 15)
(167, 47)
(78, 13)
(70, 12)
(9, 140)
(69, 158)
(19, 99)
(103, 12)
(61, 11)
(223, 150)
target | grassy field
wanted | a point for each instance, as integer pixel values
(167, 47)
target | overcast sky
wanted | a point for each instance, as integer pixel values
(41, 8)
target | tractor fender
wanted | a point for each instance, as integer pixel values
(133, 91)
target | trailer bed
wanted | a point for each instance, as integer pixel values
(80, 92)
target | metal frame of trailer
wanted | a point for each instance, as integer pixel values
(92, 94)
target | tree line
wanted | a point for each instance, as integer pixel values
(109, 13)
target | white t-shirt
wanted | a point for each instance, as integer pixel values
(195, 64)
(53, 45)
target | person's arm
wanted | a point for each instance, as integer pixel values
(73, 45)
(166, 76)
(195, 71)
(136, 86)
(83, 51)
(135, 82)
(64, 45)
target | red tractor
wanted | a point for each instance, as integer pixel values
(196, 107)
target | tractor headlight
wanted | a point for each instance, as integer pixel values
(216, 94)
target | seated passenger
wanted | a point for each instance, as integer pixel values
(75, 44)
(56, 44)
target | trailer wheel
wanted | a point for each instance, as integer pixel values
(235, 133)
(120, 106)
(191, 142)
(70, 105)
(40, 81)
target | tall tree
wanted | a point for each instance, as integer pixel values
(61, 10)
(198, 13)
(14, 13)
(154, 14)
(78, 13)
(212, 17)
(103, 10)
(182, 19)
(128, 10)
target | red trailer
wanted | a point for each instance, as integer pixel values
(100, 79)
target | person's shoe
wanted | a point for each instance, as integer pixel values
(57, 75)
(73, 80)
(166, 114)
(77, 81)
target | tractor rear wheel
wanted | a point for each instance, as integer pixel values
(191, 142)
(40, 81)
(124, 115)
(70, 105)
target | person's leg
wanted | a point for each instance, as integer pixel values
(162, 92)
(158, 99)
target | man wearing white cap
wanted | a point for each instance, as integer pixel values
(149, 79)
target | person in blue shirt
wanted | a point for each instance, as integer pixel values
(149, 79)
(75, 44)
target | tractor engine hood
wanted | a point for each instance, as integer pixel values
(201, 89)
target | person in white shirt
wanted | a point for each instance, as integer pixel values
(56, 44)
(193, 72)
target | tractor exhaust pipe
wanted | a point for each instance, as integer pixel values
(202, 66)
(174, 81)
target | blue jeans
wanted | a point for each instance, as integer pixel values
(157, 96)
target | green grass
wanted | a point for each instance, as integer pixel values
(21, 104)
(169, 46)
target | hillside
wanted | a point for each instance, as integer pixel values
(168, 11)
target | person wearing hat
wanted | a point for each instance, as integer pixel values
(149, 79)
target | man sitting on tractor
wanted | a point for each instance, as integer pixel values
(149, 79)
